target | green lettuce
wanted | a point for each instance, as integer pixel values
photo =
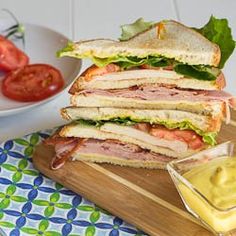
(219, 32)
(130, 30)
(128, 62)
(208, 137)
(98, 123)
(88, 122)
(197, 71)
(68, 49)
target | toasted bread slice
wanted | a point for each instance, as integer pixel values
(174, 41)
(116, 160)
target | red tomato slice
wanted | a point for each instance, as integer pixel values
(11, 57)
(193, 140)
(32, 83)
(94, 70)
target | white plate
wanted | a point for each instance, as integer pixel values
(41, 45)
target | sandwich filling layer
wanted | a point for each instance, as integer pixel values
(111, 77)
(156, 92)
(66, 148)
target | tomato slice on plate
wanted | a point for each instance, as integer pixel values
(33, 82)
(11, 57)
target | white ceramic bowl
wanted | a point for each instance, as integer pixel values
(41, 45)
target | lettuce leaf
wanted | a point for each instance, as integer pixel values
(130, 30)
(96, 123)
(208, 137)
(68, 49)
(197, 72)
(219, 32)
(128, 62)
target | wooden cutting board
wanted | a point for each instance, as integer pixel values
(145, 198)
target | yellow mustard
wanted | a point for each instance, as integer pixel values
(216, 180)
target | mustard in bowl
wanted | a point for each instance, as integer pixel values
(206, 183)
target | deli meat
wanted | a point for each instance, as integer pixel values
(116, 148)
(64, 147)
(111, 148)
(157, 92)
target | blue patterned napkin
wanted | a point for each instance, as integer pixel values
(31, 204)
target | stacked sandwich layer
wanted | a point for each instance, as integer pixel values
(151, 98)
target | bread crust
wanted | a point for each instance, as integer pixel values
(96, 158)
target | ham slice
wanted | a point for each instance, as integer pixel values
(111, 148)
(116, 148)
(155, 92)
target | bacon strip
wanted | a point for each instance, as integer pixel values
(64, 148)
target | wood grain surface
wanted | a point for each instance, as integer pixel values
(145, 198)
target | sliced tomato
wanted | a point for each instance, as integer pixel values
(196, 143)
(11, 57)
(190, 137)
(162, 132)
(32, 83)
(94, 70)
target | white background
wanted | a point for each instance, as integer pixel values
(84, 19)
